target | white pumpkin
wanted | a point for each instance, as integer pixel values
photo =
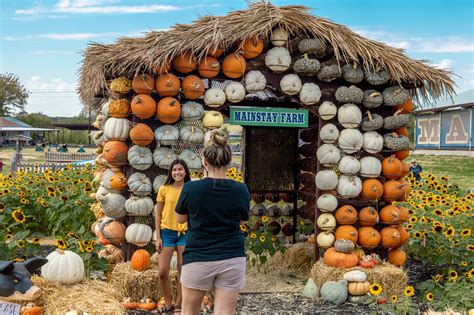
(290, 84)
(327, 110)
(255, 81)
(167, 134)
(192, 111)
(326, 221)
(105, 108)
(329, 133)
(310, 94)
(373, 142)
(325, 239)
(326, 180)
(349, 115)
(327, 203)
(63, 266)
(278, 59)
(355, 276)
(191, 135)
(235, 92)
(349, 165)
(113, 175)
(139, 184)
(159, 181)
(138, 234)
(191, 158)
(213, 119)
(279, 37)
(349, 186)
(311, 289)
(112, 204)
(117, 129)
(328, 154)
(350, 140)
(214, 97)
(163, 157)
(140, 157)
(139, 206)
(370, 167)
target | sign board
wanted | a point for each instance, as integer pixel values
(268, 117)
(7, 308)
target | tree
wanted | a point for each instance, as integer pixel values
(13, 95)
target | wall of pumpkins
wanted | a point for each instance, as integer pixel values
(151, 119)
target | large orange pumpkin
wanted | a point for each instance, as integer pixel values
(185, 63)
(142, 135)
(404, 234)
(368, 237)
(234, 66)
(193, 87)
(168, 110)
(406, 189)
(346, 215)
(397, 257)
(403, 214)
(168, 85)
(343, 260)
(119, 108)
(368, 216)
(391, 167)
(217, 52)
(402, 131)
(390, 215)
(405, 169)
(252, 47)
(372, 189)
(209, 67)
(115, 153)
(407, 106)
(401, 155)
(392, 190)
(143, 84)
(347, 232)
(143, 106)
(113, 232)
(140, 260)
(390, 237)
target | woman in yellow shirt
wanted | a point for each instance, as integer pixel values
(171, 233)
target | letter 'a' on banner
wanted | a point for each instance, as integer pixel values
(268, 117)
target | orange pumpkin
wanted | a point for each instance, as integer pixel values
(168, 110)
(115, 153)
(390, 237)
(403, 214)
(252, 47)
(368, 237)
(406, 189)
(185, 63)
(402, 131)
(234, 66)
(405, 169)
(193, 87)
(118, 181)
(397, 257)
(168, 85)
(336, 259)
(368, 216)
(404, 234)
(209, 67)
(143, 84)
(142, 135)
(372, 189)
(143, 106)
(30, 309)
(391, 167)
(147, 304)
(390, 215)
(165, 67)
(347, 232)
(140, 260)
(401, 155)
(392, 190)
(119, 108)
(406, 107)
(217, 52)
(113, 232)
(346, 215)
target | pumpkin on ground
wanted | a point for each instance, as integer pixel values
(141, 260)
(335, 259)
(334, 292)
(63, 266)
(168, 110)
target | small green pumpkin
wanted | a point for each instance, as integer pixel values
(395, 95)
(352, 73)
(140, 157)
(192, 159)
(329, 73)
(306, 66)
(377, 77)
(191, 135)
(372, 99)
(396, 142)
(192, 111)
(344, 246)
(350, 94)
(139, 184)
(163, 157)
(167, 135)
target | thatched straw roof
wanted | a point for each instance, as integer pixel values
(130, 55)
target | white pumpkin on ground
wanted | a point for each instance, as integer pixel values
(350, 140)
(140, 157)
(310, 93)
(192, 111)
(214, 97)
(255, 81)
(139, 206)
(138, 234)
(112, 204)
(139, 184)
(328, 154)
(278, 59)
(163, 157)
(355, 276)
(349, 165)
(212, 119)
(234, 92)
(327, 110)
(290, 84)
(349, 186)
(63, 266)
(327, 203)
(326, 180)
(191, 135)
(167, 134)
(326, 221)
(158, 182)
(325, 239)
(373, 142)
(311, 289)
(329, 133)
(117, 129)
(279, 37)
(349, 115)
(370, 167)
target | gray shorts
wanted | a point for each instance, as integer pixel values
(227, 274)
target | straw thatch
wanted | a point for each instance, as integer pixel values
(131, 55)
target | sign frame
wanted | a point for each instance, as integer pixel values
(268, 117)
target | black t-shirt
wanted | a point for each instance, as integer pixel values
(214, 208)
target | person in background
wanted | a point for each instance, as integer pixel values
(416, 169)
(170, 235)
(214, 208)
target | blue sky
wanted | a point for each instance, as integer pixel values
(42, 40)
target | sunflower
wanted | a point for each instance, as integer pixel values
(423, 220)
(409, 291)
(243, 228)
(375, 289)
(453, 274)
(24, 201)
(93, 243)
(394, 298)
(72, 234)
(464, 263)
(417, 234)
(89, 249)
(449, 232)
(470, 247)
(51, 194)
(262, 238)
(413, 219)
(49, 189)
(61, 244)
(429, 296)
(467, 275)
(44, 204)
(64, 198)
(2, 207)
(88, 189)
(471, 272)
(8, 237)
(78, 202)
(411, 212)
(264, 219)
(409, 226)
(466, 232)
(35, 240)
(437, 278)
(253, 235)
(50, 179)
(438, 212)
(81, 247)
(438, 227)
(20, 243)
(449, 213)
(19, 216)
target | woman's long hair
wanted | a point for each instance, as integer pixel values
(169, 178)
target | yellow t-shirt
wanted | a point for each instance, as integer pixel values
(169, 195)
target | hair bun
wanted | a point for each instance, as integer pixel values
(219, 137)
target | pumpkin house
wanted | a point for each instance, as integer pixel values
(324, 113)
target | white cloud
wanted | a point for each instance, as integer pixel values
(75, 36)
(49, 53)
(445, 64)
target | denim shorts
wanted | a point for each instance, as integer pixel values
(170, 238)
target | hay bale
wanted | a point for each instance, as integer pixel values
(140, 284)
(297, 258)
(392, 279)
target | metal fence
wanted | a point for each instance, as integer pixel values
(57, 157)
